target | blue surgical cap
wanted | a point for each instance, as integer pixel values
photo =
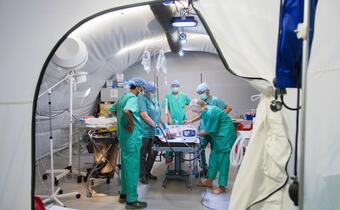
(150, 87)
(175, 83)
(129, 83)
(202, 88)
(138, 82)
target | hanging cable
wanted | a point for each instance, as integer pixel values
(285, 105)
(297, 132)
(202, 201)
(293, 188)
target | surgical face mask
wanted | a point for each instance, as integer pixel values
(204, 96)
(175, 89)
(148, 94)
(140, 90)
(153, 96)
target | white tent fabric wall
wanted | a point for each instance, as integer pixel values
(44, 24)
(322, 159)
(246, 32)
(25, 48)
(261, 168)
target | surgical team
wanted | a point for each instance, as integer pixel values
(138, 114)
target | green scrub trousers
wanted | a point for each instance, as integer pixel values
(222, 130)
(130, 144)
(130, 174)
(219, 162)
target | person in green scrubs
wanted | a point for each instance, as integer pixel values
(150, 114)
(204, 93)
(129, 132)
(221, 128)
(175, 104)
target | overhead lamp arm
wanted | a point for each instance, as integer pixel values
(69, 75)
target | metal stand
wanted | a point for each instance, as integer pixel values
(104, 158)
(177, 173)
(68, 169)
(58, 193)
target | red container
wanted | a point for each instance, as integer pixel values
(38, 204)
(245, 126)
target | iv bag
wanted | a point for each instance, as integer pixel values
(165, 81)
(161, 62)
(146, 61)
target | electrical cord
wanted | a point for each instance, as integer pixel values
(285, 105)
(202, 201)
(276, 190)
(297, 132)
(296, 153)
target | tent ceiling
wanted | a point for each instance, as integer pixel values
(116, 41)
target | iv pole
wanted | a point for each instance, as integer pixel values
(56, 194)
(68, 169)
(305, 58)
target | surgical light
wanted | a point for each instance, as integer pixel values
(183, 21)
(72, 55)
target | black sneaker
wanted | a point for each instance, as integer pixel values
(122, 198)
(150, 176)
(143, 180)
(136, 205)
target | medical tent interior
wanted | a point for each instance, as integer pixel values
(234, 48)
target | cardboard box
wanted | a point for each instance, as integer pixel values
(104, 109)
(109, 83)
(119, 77)
(109, 94)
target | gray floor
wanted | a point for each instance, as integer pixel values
(174, 197)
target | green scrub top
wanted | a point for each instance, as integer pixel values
(128, 141)
(151, 107)
(220, 126)
(176, 106)
(213, 101)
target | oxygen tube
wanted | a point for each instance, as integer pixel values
(237, 151)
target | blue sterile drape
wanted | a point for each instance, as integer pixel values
(289, 51)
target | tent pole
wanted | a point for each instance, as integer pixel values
(70, 123)
(305, 59)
